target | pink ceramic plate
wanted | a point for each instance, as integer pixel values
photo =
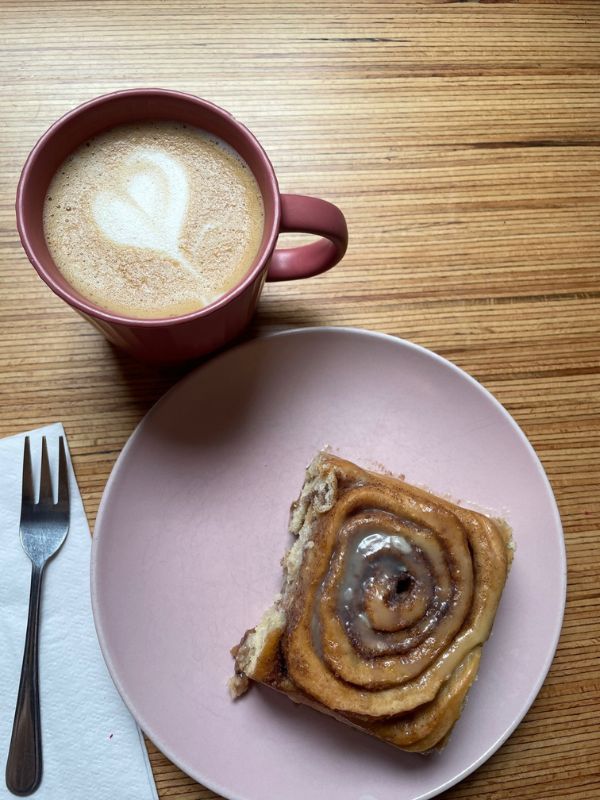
(193, 524)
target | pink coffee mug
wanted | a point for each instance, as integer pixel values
(203, 331)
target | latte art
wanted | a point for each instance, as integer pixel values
(149, 210)
(153, 220)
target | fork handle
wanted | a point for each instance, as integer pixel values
(24, 764)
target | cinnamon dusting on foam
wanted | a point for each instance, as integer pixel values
(153, 220)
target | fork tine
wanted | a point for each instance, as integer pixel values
(63, 474)
(46, 495)
(27, 495)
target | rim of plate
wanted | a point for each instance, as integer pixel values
(311, 330)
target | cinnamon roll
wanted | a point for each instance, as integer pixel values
(389, 593)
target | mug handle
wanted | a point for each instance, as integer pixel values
(302, 214)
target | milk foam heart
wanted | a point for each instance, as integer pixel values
(149, 211)
(153, 220)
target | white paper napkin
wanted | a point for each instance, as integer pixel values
(92, 748)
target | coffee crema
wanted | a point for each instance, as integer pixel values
(155, 219)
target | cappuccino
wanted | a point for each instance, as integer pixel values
(155, 219)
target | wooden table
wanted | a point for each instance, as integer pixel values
(462, 141)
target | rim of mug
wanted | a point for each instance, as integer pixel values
(88, 307)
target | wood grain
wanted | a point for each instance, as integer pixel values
(462, 141)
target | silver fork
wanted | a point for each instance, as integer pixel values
(44, 527)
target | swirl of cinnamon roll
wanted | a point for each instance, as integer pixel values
(389, 595)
